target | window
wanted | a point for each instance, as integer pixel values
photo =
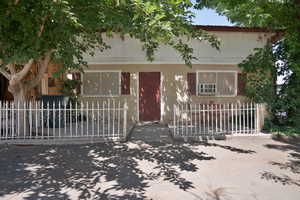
(217, 83)
(207, 83)
(207, 88)
(101, 83)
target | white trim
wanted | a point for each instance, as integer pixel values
(102, 96)
(218, 71)
(236, 84)
(161, 96)
(200, 61)
(200, 70)
(101, 71)
(162, 62)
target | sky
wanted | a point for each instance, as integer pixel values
(210, 17)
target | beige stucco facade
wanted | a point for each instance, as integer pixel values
(126, 55)
(173, 87)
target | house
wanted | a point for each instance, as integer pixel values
(152, 88)
(206, 99)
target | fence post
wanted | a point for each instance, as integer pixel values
(125, 108)
(258, 118)
(174, 119)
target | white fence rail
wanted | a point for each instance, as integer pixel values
(38, 122)
(192, 120)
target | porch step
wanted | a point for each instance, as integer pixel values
(151, 133)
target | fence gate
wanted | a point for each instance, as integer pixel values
(37, 122)
(192, 120)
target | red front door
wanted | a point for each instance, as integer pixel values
(149, 96)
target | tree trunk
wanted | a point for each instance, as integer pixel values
(19, 86)
(18, 93)
(20, 115)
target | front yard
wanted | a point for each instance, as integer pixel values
(240, 168)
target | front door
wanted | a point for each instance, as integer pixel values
(149, 96)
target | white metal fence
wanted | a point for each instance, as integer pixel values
(192, 120)
(38, 122)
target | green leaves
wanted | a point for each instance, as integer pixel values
(263, 68)
(71, 27)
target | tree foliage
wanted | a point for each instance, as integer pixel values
(274, 60)
(263, 13)
(39, 32)
(262, 69)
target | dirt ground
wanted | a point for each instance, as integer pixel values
(239, 168)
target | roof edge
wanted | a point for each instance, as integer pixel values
(235, 29)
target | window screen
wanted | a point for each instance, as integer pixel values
(216, 83)
(91, 83)
(101, 83)
(226, 83)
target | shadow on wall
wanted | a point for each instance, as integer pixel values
(290, 167)
(175, 94)
(105, 171)
(5, 95)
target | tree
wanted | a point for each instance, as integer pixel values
(281, 58)
(35, 33)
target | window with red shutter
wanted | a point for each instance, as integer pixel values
(125, 83)
(191, 79)
(241, 84)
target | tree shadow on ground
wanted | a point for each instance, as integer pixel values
(292, 166)
(227, 147)
(97, 171)
(219, 193)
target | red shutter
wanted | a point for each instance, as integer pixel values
(241, 84)
(191, 79)
(125, 83)
(77, 76)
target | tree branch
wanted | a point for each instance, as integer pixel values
(20, 75)
(42, 27)
(11, 67)
(43, 64)
(15, 3)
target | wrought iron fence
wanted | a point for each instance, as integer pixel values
(214, 119)
(38, 122)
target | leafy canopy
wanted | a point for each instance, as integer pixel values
(263, 13)
(69, 28)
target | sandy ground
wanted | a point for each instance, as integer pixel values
(240, 168)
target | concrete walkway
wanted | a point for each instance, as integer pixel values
(239, 168)
(151, 133)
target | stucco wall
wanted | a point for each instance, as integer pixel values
(127, 55)
(234, 48)
(173, 86)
